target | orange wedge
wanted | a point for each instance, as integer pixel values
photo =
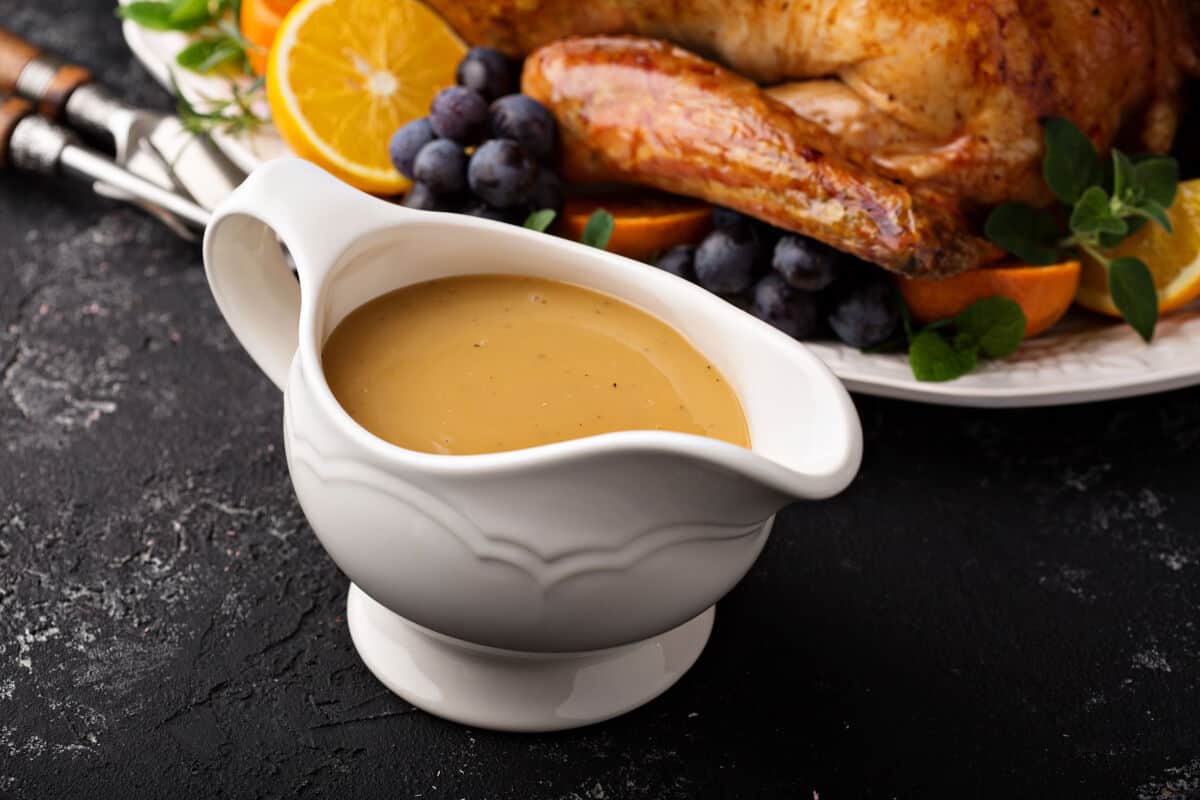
(644, 222)
(259, 20)
(343, 75)
(1044, 293)
(1173, 258)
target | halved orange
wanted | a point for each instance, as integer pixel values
(345, 74)
(259, 21)
(1044, 293)
(1173, 258)
(645, 222)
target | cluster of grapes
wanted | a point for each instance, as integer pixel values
(795, 283)
(484, 148)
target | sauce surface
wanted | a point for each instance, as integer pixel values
(486, 363)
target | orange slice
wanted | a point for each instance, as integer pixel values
(1044, 293)
(644, 222)
(259, 20)
(343, 75)
(1173, 258)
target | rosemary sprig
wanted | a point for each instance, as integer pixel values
(234, 115)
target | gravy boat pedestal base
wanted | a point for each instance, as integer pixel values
(508, 690)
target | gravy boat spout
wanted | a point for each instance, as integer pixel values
(534, 589)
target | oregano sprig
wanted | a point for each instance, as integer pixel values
(1105, 201)
(993, 327)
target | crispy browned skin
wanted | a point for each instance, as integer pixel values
(644, 111)
(942, 93)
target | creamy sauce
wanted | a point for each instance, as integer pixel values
(485, 363)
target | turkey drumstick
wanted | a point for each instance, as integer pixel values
(643, 111)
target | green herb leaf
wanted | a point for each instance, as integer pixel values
(1152, 210)
(1093, 214)
(933, 359)
(1132, 226)
(155, 16)
(540, 220)
(1159, 178)
(598, 229)
(995, 324)
(207, 54)
(1125, 182)
(1070, 164)
(1027, 233)
(230, 28)
(188, 15)
(233, 116)
(1133, 292)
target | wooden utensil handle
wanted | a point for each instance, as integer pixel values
(12, 111)
(15, 54)
(27, 71)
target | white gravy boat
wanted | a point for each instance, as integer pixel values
(536, 589)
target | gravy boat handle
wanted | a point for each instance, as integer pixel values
(316, 217)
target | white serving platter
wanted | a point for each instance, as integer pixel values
(1083, 359)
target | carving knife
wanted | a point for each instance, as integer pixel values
(149, 144)
(33, 143)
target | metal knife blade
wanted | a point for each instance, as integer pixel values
(155, 146)
(196, 163)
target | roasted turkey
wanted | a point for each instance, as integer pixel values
(880, 122)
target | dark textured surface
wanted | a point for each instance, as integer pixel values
(1004, 604)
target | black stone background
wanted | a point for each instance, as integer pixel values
(1004, 604)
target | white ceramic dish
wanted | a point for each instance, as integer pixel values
(156, 50)
(536, 589)
(1082, 360)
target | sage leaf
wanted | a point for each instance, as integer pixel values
(1093, 214)
(598, 229)
(1159, 178)
(1133, 292)
(995, 324)
(1029, 234)
(1070, 164)
(540, 220)
(154, 16)
(933, 359)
